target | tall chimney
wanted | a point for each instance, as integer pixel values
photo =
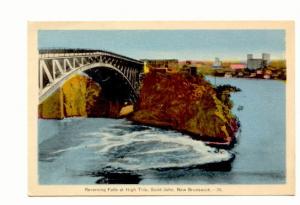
(249, 56)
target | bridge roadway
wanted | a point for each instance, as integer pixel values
(55, 67)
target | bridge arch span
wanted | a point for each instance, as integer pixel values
(105, 66)
(83, 69)
(57, 66)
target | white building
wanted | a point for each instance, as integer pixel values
(217, 63)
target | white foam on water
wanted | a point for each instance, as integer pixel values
(161, 151)
(91, 134)
(132, 147)
(150, 149)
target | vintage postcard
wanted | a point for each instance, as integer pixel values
(161, 108)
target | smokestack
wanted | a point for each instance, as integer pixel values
(266, 57)
(249, 56)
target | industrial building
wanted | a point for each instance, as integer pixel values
(258, 63)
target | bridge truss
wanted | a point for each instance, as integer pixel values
(56, 68)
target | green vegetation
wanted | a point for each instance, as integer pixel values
(277, 65)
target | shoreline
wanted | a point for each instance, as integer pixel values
(205, 139)
(249, 78)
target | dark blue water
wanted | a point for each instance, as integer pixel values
(101, 150)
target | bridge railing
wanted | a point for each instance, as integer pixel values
(58, 53)
(86, 54)
(55, 55)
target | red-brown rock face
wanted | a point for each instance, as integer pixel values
(185, 103)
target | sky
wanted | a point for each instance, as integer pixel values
(178, 44)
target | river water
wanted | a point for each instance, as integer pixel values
(103, 150)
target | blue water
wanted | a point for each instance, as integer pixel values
(261, 146)
(96, 150)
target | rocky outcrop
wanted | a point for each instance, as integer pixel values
(178, 101)
(80, 96)
(185, 103)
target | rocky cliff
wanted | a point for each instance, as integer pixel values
(185, 103)
(178, 101)
(80, 96)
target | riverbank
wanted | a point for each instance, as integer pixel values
(276, 70)
(259, 74)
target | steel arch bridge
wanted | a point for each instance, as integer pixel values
(56, 66)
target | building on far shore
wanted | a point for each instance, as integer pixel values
(237, 66)
(217, 63)
(258, 63)
(170, 65)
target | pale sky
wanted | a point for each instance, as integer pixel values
(179, 44)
